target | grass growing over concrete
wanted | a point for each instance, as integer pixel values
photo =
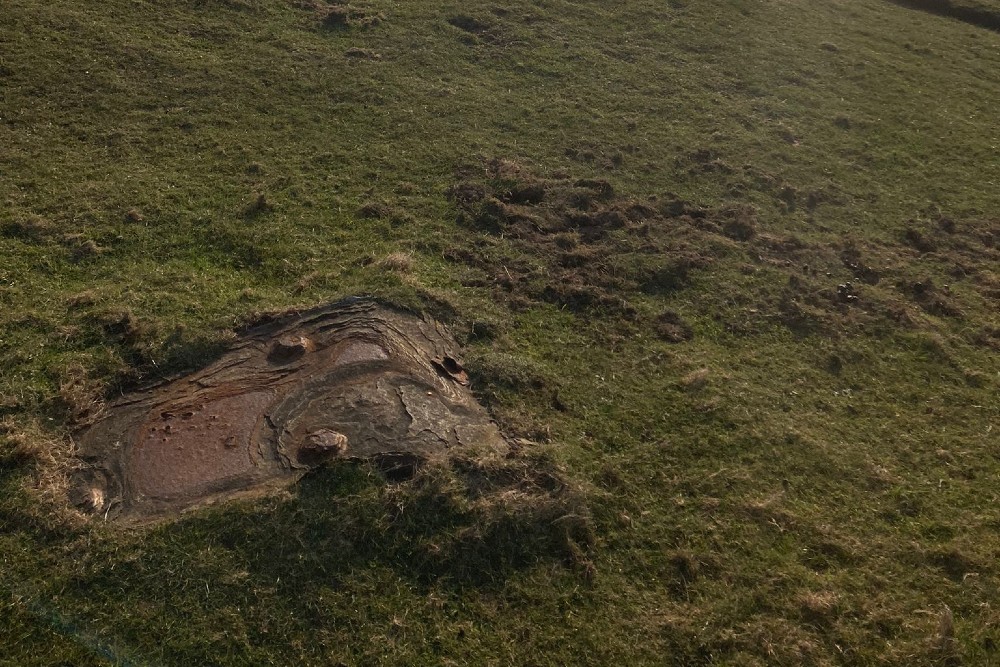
(728, 270)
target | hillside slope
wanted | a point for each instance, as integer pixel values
(728, 272)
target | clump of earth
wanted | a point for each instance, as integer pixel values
(354, 380)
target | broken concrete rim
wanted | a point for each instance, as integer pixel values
(353, 379)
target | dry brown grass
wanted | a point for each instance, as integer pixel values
(81, 398)
(819, 605)
(695, 380)
(400, 262)
(944, 645)
(48, 461)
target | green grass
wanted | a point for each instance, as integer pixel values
(801, 482)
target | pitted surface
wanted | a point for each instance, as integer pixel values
(353, 379)
(191, 451)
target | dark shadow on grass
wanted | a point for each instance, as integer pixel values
(982, 18)
(445, 527)
(455, 528)
(451, 530)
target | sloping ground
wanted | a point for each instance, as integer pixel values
(351, 380)
(982, 14)
(726, 273)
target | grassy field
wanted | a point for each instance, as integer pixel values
(730, 271)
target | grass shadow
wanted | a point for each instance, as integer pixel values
(980, 17)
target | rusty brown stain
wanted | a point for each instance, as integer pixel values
(183, 454)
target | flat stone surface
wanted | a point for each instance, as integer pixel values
(183, 453)
(352, 380)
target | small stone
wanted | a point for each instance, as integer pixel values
(96, 499)
(290, 347)
(321, 445)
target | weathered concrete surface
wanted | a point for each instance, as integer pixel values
(353, 379)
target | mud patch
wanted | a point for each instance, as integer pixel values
(351, 380)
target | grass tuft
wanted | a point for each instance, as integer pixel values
(399, 262)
